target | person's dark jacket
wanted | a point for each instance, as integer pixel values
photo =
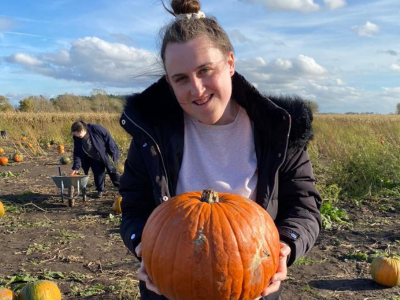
(102, 142)
(282, 128)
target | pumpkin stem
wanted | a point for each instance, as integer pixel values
(209, 196)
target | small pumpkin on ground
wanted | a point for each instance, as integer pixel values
(3, 161)
(386, 270)
(40, 290)
(65, 160)
(116, 207)
(200, 244)
(29, 145)
(6, 294)
(60, 148)
(2, 212)
(1, 151)
(48, 146)
(18, 157)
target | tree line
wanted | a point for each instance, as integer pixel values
(98, 101)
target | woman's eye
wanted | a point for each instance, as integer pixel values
(204, 71)
(179, 79)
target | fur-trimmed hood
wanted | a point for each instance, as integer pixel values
(157, 105)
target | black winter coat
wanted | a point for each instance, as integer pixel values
(282, 128)
(102, 142)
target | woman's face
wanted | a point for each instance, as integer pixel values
(80, 134)
(200, 75)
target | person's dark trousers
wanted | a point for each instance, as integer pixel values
(98, 169)
(114, 175)
(145, 294)
(99, 174)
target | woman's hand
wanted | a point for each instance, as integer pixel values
(142, 274)
(280, 274)
(74, 172)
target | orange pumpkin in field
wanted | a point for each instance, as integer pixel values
(1, 151)
(17, 157)
(29, 145)
(40, 290)
(7, 294)
(116, 207)
(227, 247)
(2, 213)
(3, 161)
(60, 148)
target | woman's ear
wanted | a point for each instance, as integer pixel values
(231, 63)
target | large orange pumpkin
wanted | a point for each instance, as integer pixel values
(3, 161)
(2, 212)
(386, 270)
(210, 246)
(6, 294)
(40, 290)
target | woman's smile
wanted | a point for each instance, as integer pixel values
(203, 101)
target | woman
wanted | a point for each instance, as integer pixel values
(93, 145)
(204, 114)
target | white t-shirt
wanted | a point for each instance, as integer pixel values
(219, 157)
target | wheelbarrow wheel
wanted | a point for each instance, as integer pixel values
(71, 200)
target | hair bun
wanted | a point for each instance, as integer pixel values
(185, 6)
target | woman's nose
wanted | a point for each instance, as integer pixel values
(197, 87)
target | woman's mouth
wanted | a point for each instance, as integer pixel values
(203, 101)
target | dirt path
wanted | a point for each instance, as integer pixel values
(81, 250)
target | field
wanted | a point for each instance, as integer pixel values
(80, 249)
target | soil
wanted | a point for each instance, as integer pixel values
(80, 249)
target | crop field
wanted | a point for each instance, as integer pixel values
(356, 162)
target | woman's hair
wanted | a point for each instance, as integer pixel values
(184, 30)
(78, 126)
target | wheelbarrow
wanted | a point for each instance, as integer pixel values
(71, 184)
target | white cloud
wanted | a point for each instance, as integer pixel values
(395, 67)
(25, 60)
(60, 58)
(334, 4)
(295, 5)
(308, 66)
(238, 36)
(280, 75)
(339, 81)
(91, 59)
(305, 77)
(5, 24)
(366, 30)
(392, 92)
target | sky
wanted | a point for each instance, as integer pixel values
(342, 54)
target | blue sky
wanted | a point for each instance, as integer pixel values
(342, 54)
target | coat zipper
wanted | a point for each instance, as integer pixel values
(277, 170)
(155, 143)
